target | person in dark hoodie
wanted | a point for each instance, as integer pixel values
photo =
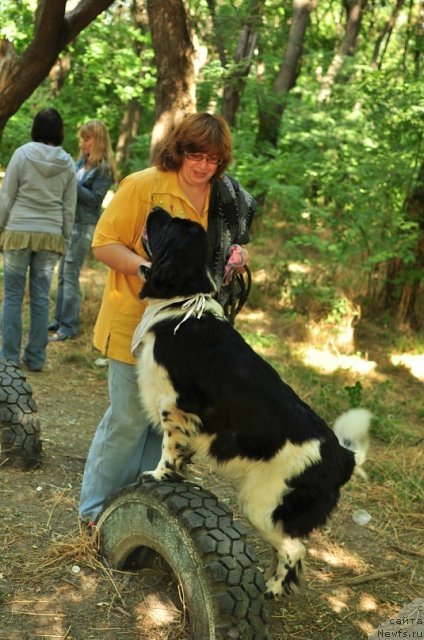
(37, 209)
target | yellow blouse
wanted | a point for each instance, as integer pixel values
(122, 222)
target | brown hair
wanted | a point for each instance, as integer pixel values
(101, 153)
(199, 132)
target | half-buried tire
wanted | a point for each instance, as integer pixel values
(206, 550)
(20, 443)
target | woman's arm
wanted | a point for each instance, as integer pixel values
(119, 258)
(69, 204)
(9, 188)
(93, 193)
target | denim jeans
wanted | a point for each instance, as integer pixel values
(124, 444)
(41, 266)
(68, 300)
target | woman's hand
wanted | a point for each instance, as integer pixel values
(237, 259)
(120, 258)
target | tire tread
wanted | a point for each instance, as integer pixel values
(20, 442)
(228, 563)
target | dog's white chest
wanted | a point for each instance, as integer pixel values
(156, 388)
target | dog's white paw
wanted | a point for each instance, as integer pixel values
(284, 584)
(146, 476)
(160, 474)
(274, 587)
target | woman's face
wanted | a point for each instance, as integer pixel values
(196, 169)
(86, 146)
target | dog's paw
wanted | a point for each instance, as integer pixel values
(274, 588)
(285, 584)
(159, 475)
(277, 588)
(146, 476)
(172, 475)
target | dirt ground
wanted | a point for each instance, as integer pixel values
(53, 586)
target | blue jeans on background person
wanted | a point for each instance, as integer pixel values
(68, 297)
(124, 444)
(41, 266)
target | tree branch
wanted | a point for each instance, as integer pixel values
(54, 29)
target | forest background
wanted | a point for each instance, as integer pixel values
(325, 101)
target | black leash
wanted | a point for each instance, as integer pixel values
(239, 290)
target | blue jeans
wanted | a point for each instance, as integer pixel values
(41, 266)
(68, 300)
(124, 444)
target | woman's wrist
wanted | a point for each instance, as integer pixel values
(144, 263)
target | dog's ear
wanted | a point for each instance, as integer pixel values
(151, 237)
(159, 213)
(160, 278)
(179, 257)
(157, 220)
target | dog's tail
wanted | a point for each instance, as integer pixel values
(351, 429)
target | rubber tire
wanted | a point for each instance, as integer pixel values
(205, 548)
(20, 442)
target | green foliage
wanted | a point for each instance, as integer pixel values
(16, 24)
(407, 342)
(336, 186)
(408, 488)
(105, 73)
(343, 172)
(354, 393)
(260, 340)
(211, 81)
(140, 153)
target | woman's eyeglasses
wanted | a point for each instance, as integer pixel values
(198, 157)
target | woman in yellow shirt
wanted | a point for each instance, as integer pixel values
(189, 182)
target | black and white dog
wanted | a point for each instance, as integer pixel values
(213, 395)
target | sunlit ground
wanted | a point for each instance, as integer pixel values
(328, 362)
(336, 556)
(413, 362)
(328, 358)
(153, 612)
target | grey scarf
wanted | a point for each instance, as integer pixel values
(231, 210)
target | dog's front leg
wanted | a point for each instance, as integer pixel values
(167, 468)
(176, 453)
(284, 576)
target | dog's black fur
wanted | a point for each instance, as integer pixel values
(213, 395)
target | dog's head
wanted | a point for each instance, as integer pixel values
(178, 250)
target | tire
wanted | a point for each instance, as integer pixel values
(20, 443)
(204, 547)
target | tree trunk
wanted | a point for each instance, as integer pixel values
(419, 40)
(347, 48)
(130, 122)
(219, 41)
(271, 110)
(174, 59)
(236, 80)
(403, 282)
(54, 29)
(387, 31)
(128, 131)
(58, 74)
